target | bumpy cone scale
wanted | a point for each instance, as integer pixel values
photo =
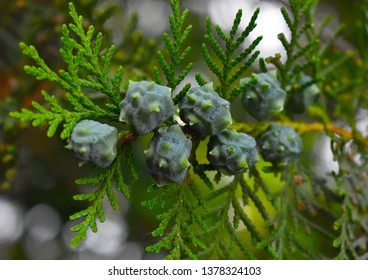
(146, 106)
(167, 156)
(205, 111)
(280, 144)
(231, 151)
(95, 142)
(265, 98)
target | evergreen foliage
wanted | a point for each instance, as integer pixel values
(272, 210)
(177, 57)
(87, 68)
(228, 70)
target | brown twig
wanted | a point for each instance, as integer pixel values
(303, 128)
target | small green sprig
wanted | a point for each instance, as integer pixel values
(177, 222)
(234, 63)
(86, 69)
(224, 230)
(351, 225)
(105, 182)
(302, 50)
(171, 68)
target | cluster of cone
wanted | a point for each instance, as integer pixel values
(279, 143)
(148, 105)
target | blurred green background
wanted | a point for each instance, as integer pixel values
(37, 173)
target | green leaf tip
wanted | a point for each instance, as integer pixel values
(174, 46)
(104, 183)
(233, 61)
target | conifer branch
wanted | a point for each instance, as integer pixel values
(299, 55)
(105, 182)
(210, 215)
(77, 55)
(176, 222)
(228, 70)
(174, 46)
(303, 128)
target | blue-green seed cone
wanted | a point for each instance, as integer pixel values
(232, 152)
(205, 111)
(94, 142)
(167, 156)
(265, 98)
(280, 144)
(146, 106)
